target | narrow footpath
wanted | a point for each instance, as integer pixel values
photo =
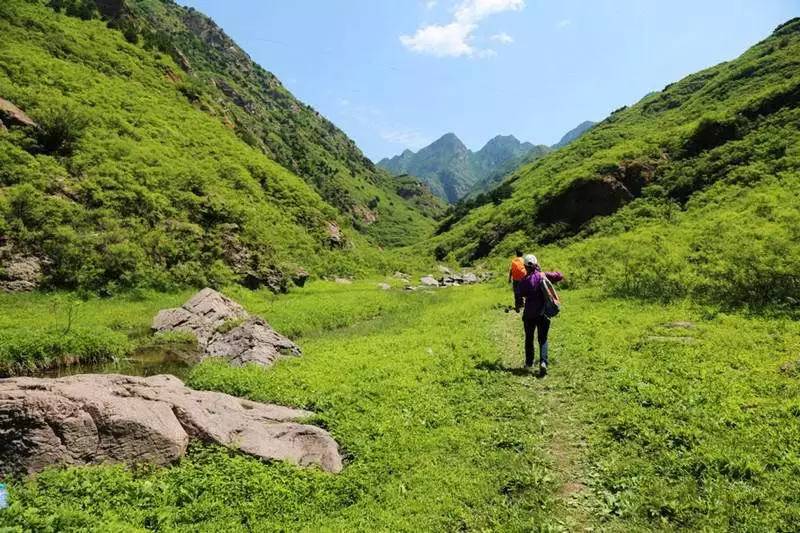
(559, 422)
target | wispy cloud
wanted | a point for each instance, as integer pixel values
(502, 38)
(454, 38)
(563, 24)
(412, 139)
(430, 4)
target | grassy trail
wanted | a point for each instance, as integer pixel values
(559, 421)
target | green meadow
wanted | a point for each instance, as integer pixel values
(653, 417)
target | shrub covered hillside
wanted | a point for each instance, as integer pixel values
(127, 179)
(693, 191)
(221, 79)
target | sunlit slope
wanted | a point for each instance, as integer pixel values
(693, 190)
(129, 182)
(222, 80)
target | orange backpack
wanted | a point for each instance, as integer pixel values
(518, 271)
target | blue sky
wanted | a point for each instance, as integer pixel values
(396, 74)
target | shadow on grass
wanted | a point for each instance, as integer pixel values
(497, 366)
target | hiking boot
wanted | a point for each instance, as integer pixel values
(542, 369)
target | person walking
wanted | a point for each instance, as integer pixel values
(516, 274)
(531, 291)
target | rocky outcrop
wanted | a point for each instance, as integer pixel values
(335, 237)
(11, 115)
(108, 418)
(224, 329)
(300, 277)
(19, 272)
(451, 280)
(583, 200)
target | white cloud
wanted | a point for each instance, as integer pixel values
(430, 4)
(412, 139)
(453, 39)
(442, 41)
(563, 24)
(477, 10)
(502, 38)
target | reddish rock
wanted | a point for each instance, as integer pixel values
(11, 115)
(335, 237)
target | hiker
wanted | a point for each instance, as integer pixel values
(530, 290)
(516, 274)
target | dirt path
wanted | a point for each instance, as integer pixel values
(566, 443)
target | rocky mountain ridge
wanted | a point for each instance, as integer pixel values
(451, 169)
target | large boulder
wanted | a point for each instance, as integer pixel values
(335, 237)
(224, 329)
(100, 418)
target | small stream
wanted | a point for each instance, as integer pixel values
(176, 360)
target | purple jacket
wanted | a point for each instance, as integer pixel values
(530, 288)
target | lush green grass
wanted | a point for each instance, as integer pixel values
(432, 440)
(26, 350)
(700, 436)
(442, 432)
(39, 330)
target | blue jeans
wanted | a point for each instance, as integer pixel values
(542, 324)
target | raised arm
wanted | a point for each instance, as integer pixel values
(554, 277)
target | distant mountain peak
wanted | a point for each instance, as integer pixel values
(574, 133)
(452, 170)
(448, 140)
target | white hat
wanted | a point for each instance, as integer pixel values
(530, 260)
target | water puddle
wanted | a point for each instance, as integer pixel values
(176, 360)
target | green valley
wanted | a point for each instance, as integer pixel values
(364, 330)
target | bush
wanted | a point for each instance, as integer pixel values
(60, 130)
